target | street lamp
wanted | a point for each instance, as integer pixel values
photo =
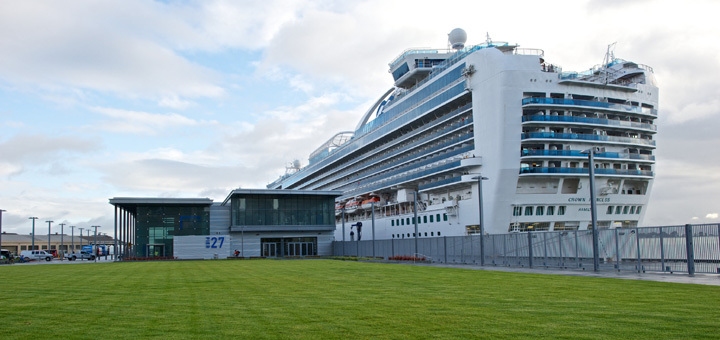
(72, 238)
(81, 240)
(1, 211)
(593, 207)
(33, 231)
(62, 232)
(480, 178)
(97, 249)
(49, 223)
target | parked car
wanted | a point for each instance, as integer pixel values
(30, 255)
(83, 255)
(6, 253)
(52, 252)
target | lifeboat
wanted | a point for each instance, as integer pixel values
(338, 208)
(367, 204)
(352, 206)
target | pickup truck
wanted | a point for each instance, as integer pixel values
(83, 255)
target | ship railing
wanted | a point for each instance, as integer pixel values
(599, 121)
(619, 172)
(528, 51)
(576, 153)
(576, 136)
(579, 102)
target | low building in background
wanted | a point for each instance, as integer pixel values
(248, 223)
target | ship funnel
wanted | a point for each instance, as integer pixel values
(457, 38)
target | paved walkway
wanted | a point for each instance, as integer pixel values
(702, 279)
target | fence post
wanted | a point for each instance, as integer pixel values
(639, 257)
(617, 250)
(560, 235)
(577, 250)
(505, 260)
(530, 253)
(545, 262)
(445, 247)
(662, 252)
(392, 248)
(689, 246)
(472, 254)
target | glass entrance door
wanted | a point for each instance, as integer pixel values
(300, 249)
(270, 250)
(156, 250)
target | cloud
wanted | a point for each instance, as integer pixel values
(137, 122)
(22, 151)
(712, 216)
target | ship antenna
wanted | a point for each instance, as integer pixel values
(488, 40)
(609, 58)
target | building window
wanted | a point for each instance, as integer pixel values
(539, 211)
(517, 211)
(528, 211)
(561, 210)
(551, 210)
(609, 210)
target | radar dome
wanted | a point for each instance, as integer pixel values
(457, 38)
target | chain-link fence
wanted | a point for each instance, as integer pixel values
(685, 249)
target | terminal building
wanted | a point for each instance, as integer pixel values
(248, 223)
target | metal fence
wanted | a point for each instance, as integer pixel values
(681, 249)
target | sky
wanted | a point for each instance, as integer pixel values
(102, 99)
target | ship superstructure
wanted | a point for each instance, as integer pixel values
(498, 111)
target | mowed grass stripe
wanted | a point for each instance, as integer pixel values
(267, 299)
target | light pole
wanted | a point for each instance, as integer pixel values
(72, 238)
(81, 241)
(480, 178)
(343, 229)
(593, 208)
(62, 244)
(33, 232)
(97, 249)
(415, 193)
(49, 223)
(372, 205)
(1, 211)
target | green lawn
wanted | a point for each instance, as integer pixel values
(326, 299)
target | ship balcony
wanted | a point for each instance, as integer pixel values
(526, 154)
(585, 137)
(602, 172)
(579, 104)
(589, 121)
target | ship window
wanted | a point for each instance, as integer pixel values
(425, 219)
(408, 234)
(638, 209)
(431, 218)
(392, 223)
(413, 234)
(413, 220)
(517, 211)
(551, 210)
(407, 220)
(426, 234)
(444, 217)
(625, 210)
(402, 221)
(437, 216)
(438, 233)
(528, 211)
(617, 210)
(539, 211)
(609, 210)
(632, 210)
(432, 233)
(561, 210)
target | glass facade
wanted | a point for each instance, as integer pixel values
(156, 225)
(283, 210)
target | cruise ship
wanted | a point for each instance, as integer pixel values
(502, 113)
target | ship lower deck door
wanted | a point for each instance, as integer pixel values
(270, 249)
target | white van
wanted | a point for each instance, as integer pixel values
(36, 255)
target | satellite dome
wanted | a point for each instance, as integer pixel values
(457, 38)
